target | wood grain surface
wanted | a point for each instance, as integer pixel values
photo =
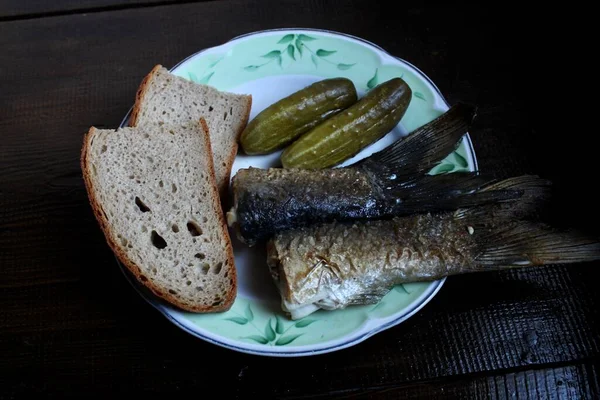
(17, 9)
(71, 325)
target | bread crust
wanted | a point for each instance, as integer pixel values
(224, 186)
(141, 93)
(132, 266)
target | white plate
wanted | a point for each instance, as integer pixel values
(270, 65)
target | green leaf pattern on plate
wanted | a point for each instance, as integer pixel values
(238, 320)
(315, 60)
(401, 289)
(272, 54)
(207, 73)
(374, 80)
(287, 38)
(275, 331)
(298, 46)
(291, 51)
(419, 95)
(249, 313)
(282, 341)
(325, 53)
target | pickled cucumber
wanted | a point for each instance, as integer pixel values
(344, 135)
(287, 119)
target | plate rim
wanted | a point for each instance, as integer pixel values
(170, 312)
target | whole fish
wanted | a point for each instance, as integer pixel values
(336, 265)
(392, 182)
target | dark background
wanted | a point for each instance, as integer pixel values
(71, 325)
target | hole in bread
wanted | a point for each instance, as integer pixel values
(150, 159)
(143, 207)
(175, 228)
(204, 219)
(205, 268)
(173, 188)
(144, 229)
(199, 289)
(230, 110)
(171, 131)
(157, 240)
(217, 268)
(123, 242)
(154, 271)
(172, 291)
(131, 176)
(188, 283)
(94, 170)
(210, 108)
(226, 274)
(160, 183)
(224, 116)
(216, 303)
(194, 229)
(146, 136)
(103, 149)
(143, 278)
(200, 256)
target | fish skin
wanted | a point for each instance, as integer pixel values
(335, 265)
(271, 200)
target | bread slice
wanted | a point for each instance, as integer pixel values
(167, 98)
(153, 192)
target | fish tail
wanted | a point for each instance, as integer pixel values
(418, 152)
(518, 197)
(524, 244)
(469, 194)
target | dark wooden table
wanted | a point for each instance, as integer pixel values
(70, 325)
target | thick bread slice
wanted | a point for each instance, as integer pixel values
(153, 192)
(166, 98)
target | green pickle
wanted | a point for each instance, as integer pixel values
(287, 119)
(344, 135)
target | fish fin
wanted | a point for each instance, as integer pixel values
(470, 194)
(533, 192)
(524, 243)
(419, 151)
